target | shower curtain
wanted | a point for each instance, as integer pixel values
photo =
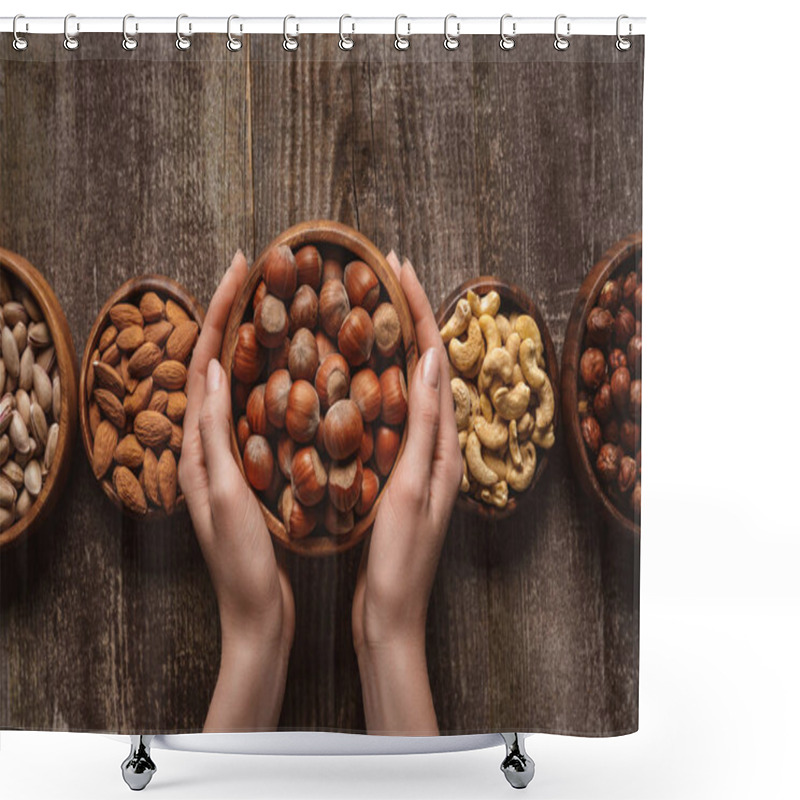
(469, 562)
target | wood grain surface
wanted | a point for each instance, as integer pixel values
(525, 164)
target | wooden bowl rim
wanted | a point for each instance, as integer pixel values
(67, 360)
(323, 232)
(139, 284)
(608, 264)
(524, 303)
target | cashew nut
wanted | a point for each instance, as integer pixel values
(488, 304)
(464, 480)
(516, 375)
(512, 403)
(544, 438)
(475, 369)
(458, 322)
(461, 402)
(464, 355)
(493, 435)
(497, 464)
(486, 408)
(503, 326)
(490, 332)
(513, 444)
(462, 439)
(537, 379)
(527, 328)
(474, 403)
(520, 477)
(497, 495)
(497, 362)
(525, 426)
(477, 466)
(512, 345)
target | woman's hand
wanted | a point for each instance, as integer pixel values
(399, 561)
(256, 605)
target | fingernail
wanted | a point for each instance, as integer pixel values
(407, 263)
(213, 376)
(430, 369)
(391, 254)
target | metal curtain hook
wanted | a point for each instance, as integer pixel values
(181, 41)
(345, 40)
(623, 43)
(401, 42)
(451, 40)
(129, 42)
(71, 42)
(507, 40)
(561, 43)
(20, 43)
(289, 41)
(234, 42)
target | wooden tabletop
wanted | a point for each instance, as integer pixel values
(526, 164)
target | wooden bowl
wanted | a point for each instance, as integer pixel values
(621, 256)
(130, 291)
(67, 360)
(512, 298)
(324, 233)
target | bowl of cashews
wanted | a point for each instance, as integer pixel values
(504, 379)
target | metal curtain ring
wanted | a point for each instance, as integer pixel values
(560, 42)
(507, 40)
(234, 42)
(181, 41)
(345, 40)
(401, 42)
(289, 41)
(450, 40)
(129, 42)
(20, 43)
(623, 43)
(70, 42)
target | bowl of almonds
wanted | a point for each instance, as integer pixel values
(38, 398)
(504, 379)
(133, 393)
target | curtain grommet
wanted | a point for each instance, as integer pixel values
(622, 43)
(182, 42)
(345, 40)
(289, 42)
(234, 43)
(401, 42)
(561, 43)
(71, 42)
(129, 42)
(20, 43)
(507, 41)
(451, 40)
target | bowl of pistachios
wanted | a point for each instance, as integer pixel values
(38, 398)
(504, 379)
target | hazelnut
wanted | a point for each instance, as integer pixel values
(624, 327)
(593, 367)
(344, 483)
(636, 500)
(629, 436)
(284, 454)
(302, 412)
(611, 431)
(280, 271)
(637, 301)
(639, 461)
(356, 336)
(271, 321)
(324, 345)
(610, 296)
(365, 390)
(160, 398)
(303, 355)
(584, 404)
(387, 443)
(616, 359)
(309, 479)
(626, 477)
(635, 353)
(338, 523)
(592, 435)
(332, 381)
(299, 520)
(394, 404)
(386, 324)
(279, 357)
(621, 389)
(319, 436)
(603, 404)
(249, 357)
(273, 491)
(369, 492)
(362, 286)
(608, 462)
(344, 428)
(334, 306)
(242, 432)
(256, 410)
(332, 270)
(367, 445)
(276, 397)
(258, 462)
(629, 288)
(303, 309)
(309, 267)
(636, 398)
(599, 327)
(259, 294)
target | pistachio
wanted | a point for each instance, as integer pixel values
(43, 387)
(32, 478)
(56, 407)
(20, 334)
(38, 426)
(24, 502)
(8, 494)
(18, 433)
(14, 312)
(46, 359)
(50, 447)
(7, 406)
(26, 369)
(39, 335)
(10, 352)
(13, 472)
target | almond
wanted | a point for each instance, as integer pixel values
(138, 400)
(175, 314)
(150, 476)
(151, 306)
(105, 442)
(129, 453)
(124, 370)
(170, 375)
(167, 480)
(106, 377)
(158, 332)
(129, 490)
(144, 360)
(94, 418)
(124, 314)
(159, 401)
(151, 428)
(110, 407)
(90, 373)
(107, 338)
(130, 338)
(111, 355)
(182, 340)
(176, 438)
(176, 406)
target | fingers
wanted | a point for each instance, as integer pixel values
(394, 262)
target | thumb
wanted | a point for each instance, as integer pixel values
(215, 432)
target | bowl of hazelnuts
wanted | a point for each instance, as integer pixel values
(319, 348)
(601, 383)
